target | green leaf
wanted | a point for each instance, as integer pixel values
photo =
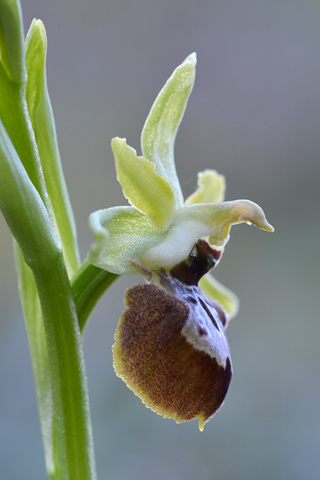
(211, 188)
(220, 294)
(12, 41)
(22, 206)
(43, 124)
(122, 234)
(13, 109)
(146, 190)
(160, 129)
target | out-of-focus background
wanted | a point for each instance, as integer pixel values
(254, 115)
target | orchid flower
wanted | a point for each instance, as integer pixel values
(171, 348)
(160, 229)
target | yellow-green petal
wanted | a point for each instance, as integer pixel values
(142, 186)
(221, 294)
(211, 188)
(160, 129)
(122, 234)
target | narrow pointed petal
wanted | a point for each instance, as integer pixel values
(160, 129)
(211, 188)
(122, 234)
(142, 186)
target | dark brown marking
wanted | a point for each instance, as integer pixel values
(202, 331)
(219, 309)
(209, 313)
(191, 299)
(221, 313)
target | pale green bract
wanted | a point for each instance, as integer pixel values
(160, 229)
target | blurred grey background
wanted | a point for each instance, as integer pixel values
(254, 115)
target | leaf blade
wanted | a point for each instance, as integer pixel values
(43, 124)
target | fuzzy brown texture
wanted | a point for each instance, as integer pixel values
(159, 365)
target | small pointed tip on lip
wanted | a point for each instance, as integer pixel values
(255, 215)
(268, 227)
(258, 218)
(201, 423)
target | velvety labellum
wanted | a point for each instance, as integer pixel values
(171, 348)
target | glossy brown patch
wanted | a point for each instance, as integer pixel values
(157, 362)
(200, 261)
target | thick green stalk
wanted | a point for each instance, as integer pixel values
(38, 352)
(73, 442)
(33, 229)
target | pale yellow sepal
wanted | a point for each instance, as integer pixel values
(121, 234)
(149, 192)
(220, 294)
(211, 188)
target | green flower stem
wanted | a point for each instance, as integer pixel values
(73, 442)
(33, 229)
(34, 201)
(38, 352)
(88, 285)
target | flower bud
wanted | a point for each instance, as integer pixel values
(171, 348)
